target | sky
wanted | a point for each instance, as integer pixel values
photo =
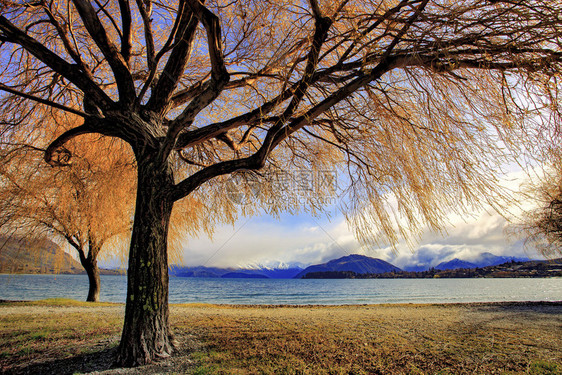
(302, 240)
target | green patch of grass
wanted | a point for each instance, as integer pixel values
(545, 368)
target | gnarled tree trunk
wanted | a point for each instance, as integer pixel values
(146, 332)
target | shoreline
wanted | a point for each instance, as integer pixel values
(269, 306)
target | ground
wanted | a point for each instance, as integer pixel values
(62, 336)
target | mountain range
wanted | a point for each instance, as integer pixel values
(201, 271)
(45, 256)
(359, 264)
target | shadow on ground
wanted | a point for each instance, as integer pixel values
(101, 363)
(86, 363)
(543, 307)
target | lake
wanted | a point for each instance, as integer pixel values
(293, 292)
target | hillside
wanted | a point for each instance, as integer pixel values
(18, 255)
(355, 263)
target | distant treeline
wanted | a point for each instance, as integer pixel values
(551, 268)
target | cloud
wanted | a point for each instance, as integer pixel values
(304, 240)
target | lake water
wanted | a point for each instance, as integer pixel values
(293, 292)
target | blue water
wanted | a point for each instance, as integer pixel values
(293, 292)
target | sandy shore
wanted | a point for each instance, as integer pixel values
(471, 338)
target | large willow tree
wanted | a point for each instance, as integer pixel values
(415, 99)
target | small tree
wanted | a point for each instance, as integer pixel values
(413, 99)
(86, 204)
(542, 225)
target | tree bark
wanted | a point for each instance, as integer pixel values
(90, 264)
(146, 332)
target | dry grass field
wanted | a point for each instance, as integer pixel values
(62, 336)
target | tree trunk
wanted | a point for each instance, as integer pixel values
(90, 264)
(94, 278)
(146, 332)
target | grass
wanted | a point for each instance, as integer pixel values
(383, 339)
(49, 330)
(378, 340)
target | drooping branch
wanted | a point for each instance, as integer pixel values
(118, 64)
(276, 134)
(490, 57)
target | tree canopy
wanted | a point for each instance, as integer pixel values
(415, 100)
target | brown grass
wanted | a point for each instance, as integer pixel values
(379, 339)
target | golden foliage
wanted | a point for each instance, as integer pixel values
(465, 86)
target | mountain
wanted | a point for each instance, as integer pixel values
(201, 271)
(482, 260)
(489, 259)
(359, 264)
(19, 255)
(242, 275)
(454, 264)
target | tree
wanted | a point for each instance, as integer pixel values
(87, 204)
(542, 224)
(417, 100)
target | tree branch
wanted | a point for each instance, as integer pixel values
(116, 61)
(145, 9)
(56, 154)
(12, 34)
(126, 24)
(213, 87)
(385, 64)
(257, 160)
(43, 101)
(175, 66)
